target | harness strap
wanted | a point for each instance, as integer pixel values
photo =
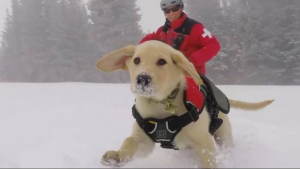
(173, 125)
(213, 111)
(186, 26)
(184, 29)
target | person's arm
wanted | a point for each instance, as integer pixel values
(151, 36)
(209, 45)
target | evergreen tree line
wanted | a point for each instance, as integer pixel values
(61, 40)
(260, 40)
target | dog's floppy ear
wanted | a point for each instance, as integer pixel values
(116, 60)
(187, 66)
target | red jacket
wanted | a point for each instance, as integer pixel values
(193, 95)
(200, 46)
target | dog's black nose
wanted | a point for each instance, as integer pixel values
(143, 80)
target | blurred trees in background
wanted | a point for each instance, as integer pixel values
(61, 40)
(260, 40)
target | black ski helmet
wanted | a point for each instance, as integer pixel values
(166, 3)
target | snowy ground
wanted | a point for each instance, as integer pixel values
(73, 124)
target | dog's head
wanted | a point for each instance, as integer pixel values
(155, 68)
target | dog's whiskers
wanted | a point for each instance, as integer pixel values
(144, 90)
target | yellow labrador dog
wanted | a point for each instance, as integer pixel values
(156, 69)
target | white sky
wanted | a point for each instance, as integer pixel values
(152, 16)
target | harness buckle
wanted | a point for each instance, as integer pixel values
(193, 113)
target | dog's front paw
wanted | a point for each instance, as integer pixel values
(112, 158)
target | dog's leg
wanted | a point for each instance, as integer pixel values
(137, 141)
(223, 136)
(205, 148)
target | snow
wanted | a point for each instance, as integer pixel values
(74, 124)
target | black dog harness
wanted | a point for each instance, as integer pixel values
(164, 131)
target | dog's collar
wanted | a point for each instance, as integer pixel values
(167, 102)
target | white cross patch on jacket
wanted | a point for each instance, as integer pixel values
(206, 33)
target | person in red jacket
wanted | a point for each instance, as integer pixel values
(186, 35)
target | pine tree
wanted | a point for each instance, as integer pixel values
(290, 23)
(47, 41)
(70, 50)
(220, 18)
(11, 43)
(265, 26)
(6, 52)
(114, 25)
(33, 51)
(258, 40)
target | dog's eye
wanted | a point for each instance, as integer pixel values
(137, 61)
(161, 62)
